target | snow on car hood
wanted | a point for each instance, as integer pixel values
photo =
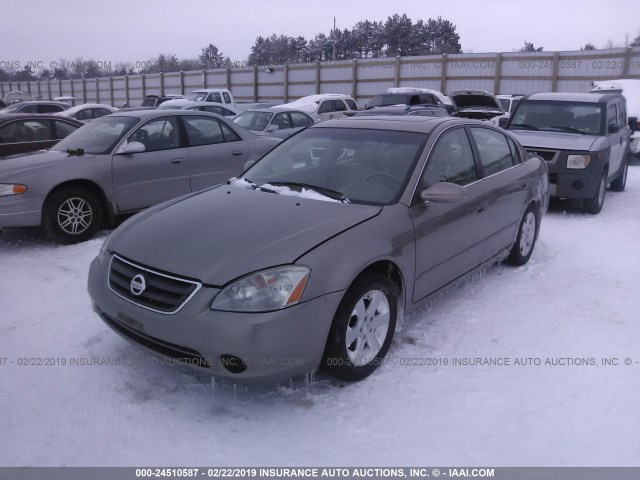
(226, 232)
(303, 193)
(554, 140)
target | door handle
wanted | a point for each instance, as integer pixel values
(237, 152)
(482, 208)
(175, 161)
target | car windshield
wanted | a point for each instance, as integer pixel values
(98, 137)
(256, 121)
(364, 166)
(553, 116)
(394, 99)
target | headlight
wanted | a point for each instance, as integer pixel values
(578, 161)
(270, 289)
(8, 189)
(103, 249)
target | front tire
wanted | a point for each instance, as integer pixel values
(619, 183)
(525, 239)
(594, 204)
(362, 329)
(72, 215)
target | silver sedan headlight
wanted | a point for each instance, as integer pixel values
(11, 189)
(265, 290)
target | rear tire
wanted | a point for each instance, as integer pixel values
(362, 328)
(594, 204)
(619, 183)
(525, 239)
(72, 215)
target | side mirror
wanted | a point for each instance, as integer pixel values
(248, 164)
(502, 122)
(444, 192)
(614, 128)
(272, 128)
(633, 124)
(132, 147)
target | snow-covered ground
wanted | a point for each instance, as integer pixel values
(579, 297)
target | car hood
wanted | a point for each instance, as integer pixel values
(21, 164)
(223, 233)
(554, 140)
(464, 99)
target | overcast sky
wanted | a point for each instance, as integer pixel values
(135, 31)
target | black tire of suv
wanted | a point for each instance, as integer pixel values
(619, 183)
(594, 204)
(66, 198)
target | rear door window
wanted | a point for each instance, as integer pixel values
(495, 153)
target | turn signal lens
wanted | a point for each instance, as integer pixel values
(9, 189)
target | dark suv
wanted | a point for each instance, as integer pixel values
(584, 138)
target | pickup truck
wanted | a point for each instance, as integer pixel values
(223, 96)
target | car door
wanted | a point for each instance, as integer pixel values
(449, 236)
(506, 185)
(216, 151)
(617, 137)
(159, 173)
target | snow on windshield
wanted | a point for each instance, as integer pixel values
(280, 190)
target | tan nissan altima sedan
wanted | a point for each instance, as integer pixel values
(314, 255)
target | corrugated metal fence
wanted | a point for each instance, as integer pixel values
(505, 73)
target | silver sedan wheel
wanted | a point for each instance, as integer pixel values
(367, 327)
(74, 215)
(527, 234)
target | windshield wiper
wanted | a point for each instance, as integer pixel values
(324, 191)
(567, 129)
(524, 125)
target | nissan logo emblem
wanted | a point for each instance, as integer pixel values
(137, 285)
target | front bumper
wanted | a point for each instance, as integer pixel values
(20, 210)
(273, 346)
(573, 184)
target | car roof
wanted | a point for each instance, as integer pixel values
(5, 117)
(573, 97)
(403, 123)
(276, 109)
(145, 114)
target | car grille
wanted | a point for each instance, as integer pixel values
(547, 155)
(171, 350)
(160, 292)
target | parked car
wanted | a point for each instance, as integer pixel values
(422, 110)
(213, 107)
(475, 104)
(28, 132)
(35, 106)
(275, 122)
(87, 111)
(223, 96)
(584, 138)
(509, 104)
(324, 106)
(122, 163)
(630, 89)
(157, 100)
(410, 96)
(312, 258)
